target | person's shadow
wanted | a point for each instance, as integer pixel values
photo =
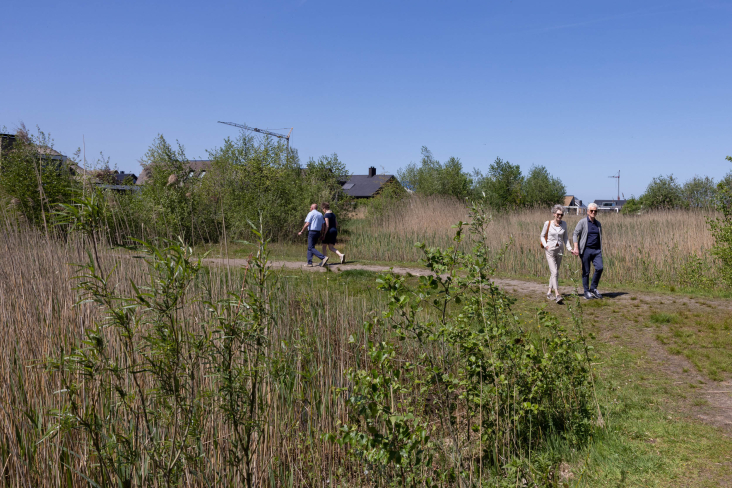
(615, 294)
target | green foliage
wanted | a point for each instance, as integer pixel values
(632, 206)
(542, 189)
(699, 192)
(31, 181)
(133, 389)
(502, 185)
(435, 178)
(244, 176)
(721, 228)
(482, 392)
(663, 192)
(144, 425)
(695, 273)
(87, 215)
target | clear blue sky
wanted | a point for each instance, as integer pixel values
(584, 88)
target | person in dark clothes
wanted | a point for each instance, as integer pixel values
(587, 239)
(330, 232)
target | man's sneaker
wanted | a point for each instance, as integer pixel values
(343, 258)
(559, 299)
(309, 265)
(325, 260)
(588, 295)
(596, 293)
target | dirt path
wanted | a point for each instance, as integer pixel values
(717, 395)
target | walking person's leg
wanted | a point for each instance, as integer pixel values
(311, 247)
(552, 271)
(597, 263)
(312, 242)
(586, 258)
(557, 267)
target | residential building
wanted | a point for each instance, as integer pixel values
(367, 186)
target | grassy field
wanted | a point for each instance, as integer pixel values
(659, 249)
(654, 435)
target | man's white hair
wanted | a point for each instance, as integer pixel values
(592, 205)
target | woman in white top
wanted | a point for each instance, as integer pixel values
(555, 239)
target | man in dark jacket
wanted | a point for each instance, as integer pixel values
(587, 239)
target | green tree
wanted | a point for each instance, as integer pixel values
(246, 176)
(663, 192)
(434, 178)
(542, 189)
(721, 228)
(502, 185)
(165, 203)
(632, 206)
(699, 192)
(32, 180)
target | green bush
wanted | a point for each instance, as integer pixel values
(32, 184)
(481, 392)
(721, 228)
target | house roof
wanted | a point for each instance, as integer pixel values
(198, 166)
(568, 200)
(364, 186)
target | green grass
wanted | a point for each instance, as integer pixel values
(652, 436)
(664, 318)
(705, 342)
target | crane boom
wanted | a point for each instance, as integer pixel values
(261, 131)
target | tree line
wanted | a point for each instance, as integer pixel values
(667, 192)
(246, 177)
(504, 185)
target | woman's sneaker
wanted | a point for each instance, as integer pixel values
(549, 296)
(559, 299)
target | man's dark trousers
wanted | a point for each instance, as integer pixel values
(313, 236)
(593, 256)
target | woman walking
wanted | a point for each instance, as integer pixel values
(554, 240)
(330, 232)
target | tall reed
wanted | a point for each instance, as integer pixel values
(655, 248)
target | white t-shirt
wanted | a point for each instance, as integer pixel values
(315, 219)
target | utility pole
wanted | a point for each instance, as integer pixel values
(618, 178)
(264, 131)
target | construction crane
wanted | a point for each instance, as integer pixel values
(618, 178)
(263, 131)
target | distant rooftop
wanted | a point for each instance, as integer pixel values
(366, 186)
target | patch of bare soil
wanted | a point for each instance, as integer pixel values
(708, 400)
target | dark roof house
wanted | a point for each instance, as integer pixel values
(367, 186)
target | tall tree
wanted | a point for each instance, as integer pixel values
(434, 178)
(542, 189)
(663, 192)
(502, 184)
(699, 192)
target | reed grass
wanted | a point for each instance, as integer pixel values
(40, 319)
(667, 248)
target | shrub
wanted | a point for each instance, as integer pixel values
(481, 392)
(32, 181)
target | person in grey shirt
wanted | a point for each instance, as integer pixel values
(314, 223)
(587, 239)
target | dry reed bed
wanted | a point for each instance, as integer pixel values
(653, 248)
(39, 319)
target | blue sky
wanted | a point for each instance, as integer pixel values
(583, 88)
